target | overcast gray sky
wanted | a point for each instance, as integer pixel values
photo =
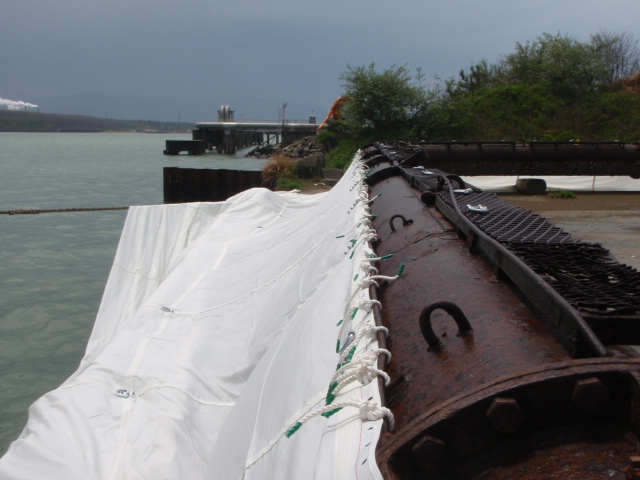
(215, 52)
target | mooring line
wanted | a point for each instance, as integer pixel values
(35, 211)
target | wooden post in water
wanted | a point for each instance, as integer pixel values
(182, 185)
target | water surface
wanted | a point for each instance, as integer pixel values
(54, 266)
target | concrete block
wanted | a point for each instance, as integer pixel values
(311, 166)
(335, 173)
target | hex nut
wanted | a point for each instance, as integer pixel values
(590, 395)
(430, 453)
(505, 415)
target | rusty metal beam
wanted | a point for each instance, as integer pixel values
(536, 158)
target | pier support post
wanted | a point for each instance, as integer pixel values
(229, 146)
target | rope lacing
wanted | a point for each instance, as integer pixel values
(369, 411)
(363, 367)
(367, 305)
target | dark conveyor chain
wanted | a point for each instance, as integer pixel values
(584, 273)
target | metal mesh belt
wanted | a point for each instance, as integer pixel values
(583, 273)
(585, 276)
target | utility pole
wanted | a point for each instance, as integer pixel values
(283, 106)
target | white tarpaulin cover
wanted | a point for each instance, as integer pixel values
(215, 351)
(576, 183)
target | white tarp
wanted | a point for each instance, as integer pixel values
(217, 334)
(576, 183)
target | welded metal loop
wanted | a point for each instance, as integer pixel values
(566, 311)
(405, 222)
(452, 309)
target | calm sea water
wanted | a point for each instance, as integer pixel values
(54, 266)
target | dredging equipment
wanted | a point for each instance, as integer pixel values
(514, 347)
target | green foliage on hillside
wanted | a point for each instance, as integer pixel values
(551, 88)
(20, 121)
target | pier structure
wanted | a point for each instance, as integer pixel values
(228, 136)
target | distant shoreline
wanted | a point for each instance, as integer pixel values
(16, 121)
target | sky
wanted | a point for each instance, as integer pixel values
(184, 59)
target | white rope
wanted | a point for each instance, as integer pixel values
(362, 368)
(369, 236)
(367, 282)
(367, 305)
(383, 277)
(369, 411)
(367, 268)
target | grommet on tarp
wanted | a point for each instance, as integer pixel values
(347, 342)
(125, 393)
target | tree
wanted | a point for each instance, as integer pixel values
(480, 75)
(619, 52)
(568, 67)
(382, 102)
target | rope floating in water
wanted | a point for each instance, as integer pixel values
(35, 211)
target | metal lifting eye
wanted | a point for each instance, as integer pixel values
(405, 222)
(452, 309)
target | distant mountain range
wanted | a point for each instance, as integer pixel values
(129, 107)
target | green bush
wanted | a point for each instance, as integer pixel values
(554, 88)
(341, 156)
(288, 181)
(564, 194)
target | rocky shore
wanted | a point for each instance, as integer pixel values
(301, 148)
(308, 155)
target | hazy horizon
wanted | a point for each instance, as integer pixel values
(163, 59)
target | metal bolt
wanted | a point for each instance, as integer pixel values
(505, 415)
(590, 395)
(430, 453)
